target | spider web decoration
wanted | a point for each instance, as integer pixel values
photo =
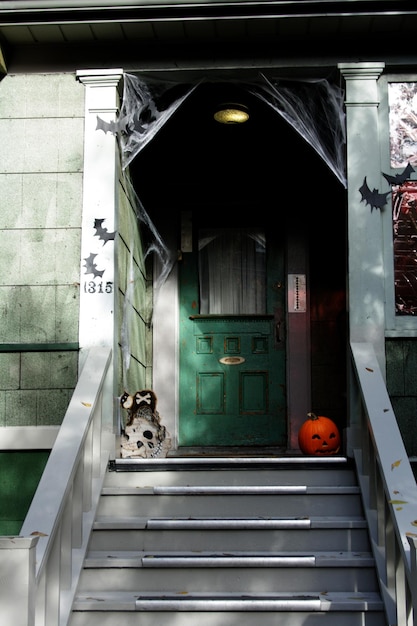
(313, 107)
(146, 107)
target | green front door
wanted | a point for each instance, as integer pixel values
(232, 340)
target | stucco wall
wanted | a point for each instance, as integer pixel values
(41, 161)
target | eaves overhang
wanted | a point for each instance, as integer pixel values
(46, 35)
(78, 11)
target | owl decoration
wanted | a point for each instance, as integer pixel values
(143, 435)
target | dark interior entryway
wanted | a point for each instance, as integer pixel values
(263, 173)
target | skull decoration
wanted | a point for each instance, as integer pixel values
(143, 435)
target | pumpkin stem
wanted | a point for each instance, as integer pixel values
(312, 416)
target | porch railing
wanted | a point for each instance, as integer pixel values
(388, 486)
(41, 567)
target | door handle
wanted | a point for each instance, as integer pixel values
(279, 329)
(278, 332)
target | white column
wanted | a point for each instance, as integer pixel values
(97, 297)
(365, 234)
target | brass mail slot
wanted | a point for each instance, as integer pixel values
(232, 360)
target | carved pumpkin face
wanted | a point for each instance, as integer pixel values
(319, 436)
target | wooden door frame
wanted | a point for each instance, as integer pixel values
(298, 339)
(166, 344)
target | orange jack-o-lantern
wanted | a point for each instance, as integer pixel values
(319, 436)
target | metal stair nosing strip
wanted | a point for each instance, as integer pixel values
(277, 602)
(127, 465)
(254, 490)
(231, 490)
(329, 559)
(228, 523)
(235, 559)
(193, 523)
(303, 603)
(298, 602)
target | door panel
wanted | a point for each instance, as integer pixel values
(232, 367)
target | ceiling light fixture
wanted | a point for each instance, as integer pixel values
(231, 113)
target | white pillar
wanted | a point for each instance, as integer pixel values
(97, 297)
(365, 234)
(17, 580)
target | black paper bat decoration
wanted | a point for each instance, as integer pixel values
(139, 122)
(91, 267)
(374, 198)
(107, 127)
(398, 179)
(102, 233)
(115, 127)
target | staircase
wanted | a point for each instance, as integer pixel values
(204, 542)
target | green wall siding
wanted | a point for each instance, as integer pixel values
(19, 476)
(402, 387)
(134, 298)
(41, 161)
(41, 178)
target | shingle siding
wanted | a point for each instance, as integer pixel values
(41, 161)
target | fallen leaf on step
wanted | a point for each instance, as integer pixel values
(88, 404)
(395, 464)
(37, 533)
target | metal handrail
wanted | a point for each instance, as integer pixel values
(388, 486)
(57, 527)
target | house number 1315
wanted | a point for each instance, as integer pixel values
(101, 287)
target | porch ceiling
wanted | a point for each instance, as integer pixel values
(315, 34)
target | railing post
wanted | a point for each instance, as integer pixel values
(413, 578)
(17, 580)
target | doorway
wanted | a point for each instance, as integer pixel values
(197, 179)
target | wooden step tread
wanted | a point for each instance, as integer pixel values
(226, 462)
(118, 559)
(245, 490)
(215, 523)
(280, 602)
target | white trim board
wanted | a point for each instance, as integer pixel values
(28, 437)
